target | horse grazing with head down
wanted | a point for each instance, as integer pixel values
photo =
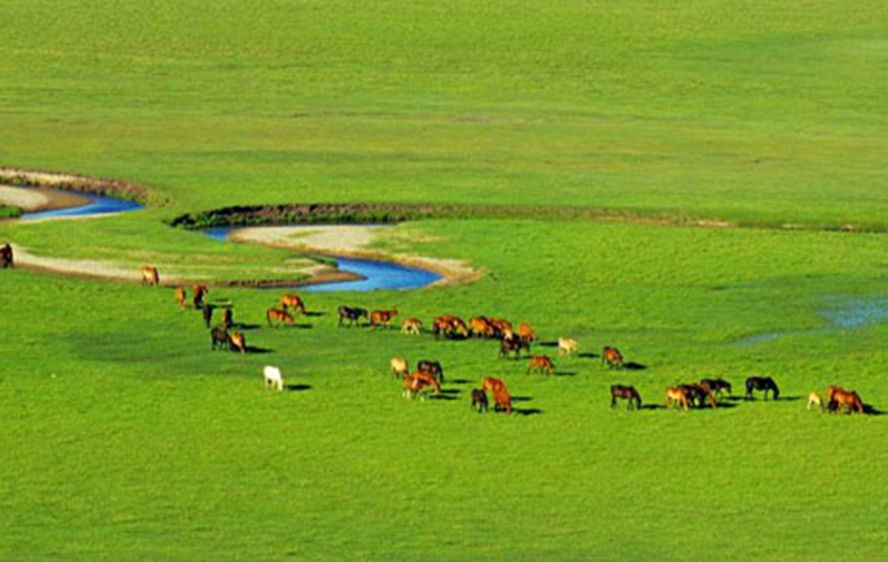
(717, 385)
(501, 398)
(418, 382)
(764, 384)
(479, 400)
(293, 302)
(150, 276)
(541, 363)
(814, 399)
(238, 342)
(219, 337)
(351, 313)
(612, 356)
(399, 367)
(278, 316)
(566, 346)
(432, 368)
(840, 398)
(6, 256)
(625, 393)
(382, 318)
(677, 395)
(412, 326)
(199, 292)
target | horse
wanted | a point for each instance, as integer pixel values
(292, 301)
(6, 257)
(412, 326)
(237, 342)
(418, 382)
(501, 328)
(501, 398)
(625, 393)
(207, 311)
(840, 398)
(273, 378)
(525, 332)
(677, 395)
(432, 368)
(513, 344)
(181, 297)
(480, 327)
(612, 356)
(200, 291)
(352, 314)
(450, 326)
(717, 385)
(227, 318)
(399, 367)
(219, 337)
(479, 399)
(566, 346)
(814, 399)
(278, 315)
(541, 363)
(762, 383)
(150, 276)
(699, 394)
(381, 318)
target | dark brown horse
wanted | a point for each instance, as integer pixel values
(625, 393)
(199, 292)
(717, 385)
(6, 256)
(513, 344)
(219, 337)
(762, 383)
(432, 368)
(479, 400)
(351, 313)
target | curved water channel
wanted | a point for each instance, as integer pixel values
(375, 275)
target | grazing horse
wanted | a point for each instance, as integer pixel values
(227, 318)
(699, 394)
(351, 313)
(451, 326)
(150, 276)
(612, 356)
(219, 337)
(399, 367)
(677, 395)
(416, 383)
(481, 327)
(181, 297)
(412, 326)
(238, 342)
(279, 316)
(840, 398)
(513, 344)
(814, 399)
(432, 368)
(273, 378)
(479, 399)
(501, 398)
(541, 363)
(717, 385)
(501, 328)
(625, 393)
(525, 332)
(293, 302)
(381, 318)
(762, 383)
(200, 291)
(207, 311)
(6, 256)
(566, 346)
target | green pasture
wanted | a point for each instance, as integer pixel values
(127, 438)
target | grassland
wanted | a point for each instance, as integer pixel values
(128, 439)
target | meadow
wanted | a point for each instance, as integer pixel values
(127, 438)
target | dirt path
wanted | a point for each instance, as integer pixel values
(32, 199)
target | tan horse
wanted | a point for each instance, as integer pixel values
(677, 396)
(238, 341)
(566, 346)
(399, 367)
(181, 297)
(150, 276)
(814, 399)
(412, 326)
(293, 302)
(541, 363)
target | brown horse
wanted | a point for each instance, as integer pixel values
(612, 356)
(6, 257)
(677, 395)
(150, 276)
(839, 398)
(278, 315)
(416, 383)
(625, 393)
(381, 318)
(525, 332)
(181, 297)
(501, 398)
(500, 327)
(480, 327)
(450, 326)
(199, 292)
(699, 394)
(513, 344)
(238, 342)
(227, 318)
(293, 302)
(541, 363)
(412, 326)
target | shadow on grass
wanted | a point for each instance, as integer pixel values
(521, 399)
(315, 314)
(871, 410)
(526, 411)
(450, 391)
(565, 373)
(255, 349)
(653, 407)
(245, 327)
(588, 355)
(297, 387)
(547, 343)
(443, 396)
(460, 381)
(633, 366)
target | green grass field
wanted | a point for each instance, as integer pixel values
(127, 438)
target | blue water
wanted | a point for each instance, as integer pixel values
(98, 205)
(377, 275)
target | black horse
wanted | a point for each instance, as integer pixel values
(717, 385)
(431, 368)
(479, 399)
(219, 337)
(6, 257)
(626, 393)
(351, 313)
(762, 383)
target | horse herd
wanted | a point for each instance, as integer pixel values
(429, 374)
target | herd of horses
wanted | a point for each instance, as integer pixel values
(429, 374)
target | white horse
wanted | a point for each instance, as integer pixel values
(273, 377)
(566, 346)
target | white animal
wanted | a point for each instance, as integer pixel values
(566, 346)
(273, 377)
(814, 399)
